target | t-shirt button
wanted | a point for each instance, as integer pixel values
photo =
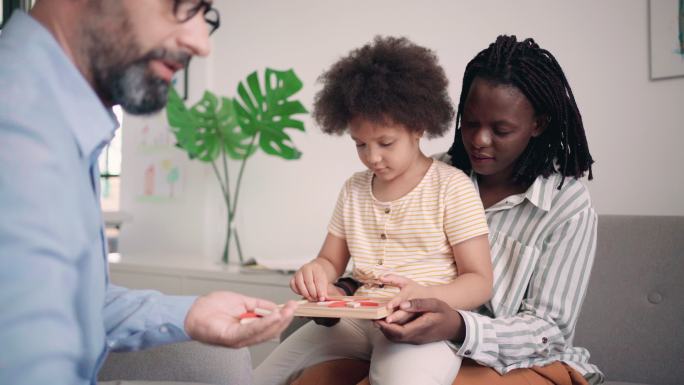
(544, 340)
(163, 329)
(383, 236)
(468, 352)
(380, 262)
(387, 210)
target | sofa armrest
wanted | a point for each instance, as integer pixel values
(182, 362)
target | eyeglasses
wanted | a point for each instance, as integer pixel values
(184, 10)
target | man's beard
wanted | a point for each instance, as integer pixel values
(121, 71)
(133, 85)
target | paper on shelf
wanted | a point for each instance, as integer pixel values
(280, 264)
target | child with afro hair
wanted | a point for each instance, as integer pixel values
(413, 226)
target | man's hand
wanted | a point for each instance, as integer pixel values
(214, 319)
(423, 320)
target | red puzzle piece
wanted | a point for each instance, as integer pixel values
(338, 304)
(249, 314)
(369, 304)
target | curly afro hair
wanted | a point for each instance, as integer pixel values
(388, 80)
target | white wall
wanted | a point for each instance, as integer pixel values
(634, 125)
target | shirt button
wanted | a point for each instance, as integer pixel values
(387, 210)
(544, 340)
(111, 343)
(383, 236)
(164, 329)
(467, 352)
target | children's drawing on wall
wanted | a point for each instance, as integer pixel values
(666, 21)
(155, 136)
(161, 181)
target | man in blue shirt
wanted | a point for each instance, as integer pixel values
(62, 68)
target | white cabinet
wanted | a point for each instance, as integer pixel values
(182, 278)
(167, 284)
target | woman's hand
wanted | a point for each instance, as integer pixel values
(423, 320)
(311, 281)
(408, 289)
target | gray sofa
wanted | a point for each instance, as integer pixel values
(635, 303)
(630, 320)
(187, 362)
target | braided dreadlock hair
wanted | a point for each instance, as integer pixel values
(562, 147)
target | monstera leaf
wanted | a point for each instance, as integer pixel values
(268, 112)
(206, 127)
(218, 127)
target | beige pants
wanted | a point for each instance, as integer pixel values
(428, 364)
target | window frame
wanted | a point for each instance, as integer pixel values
(9, 6)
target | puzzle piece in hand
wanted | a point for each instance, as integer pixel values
(248, 317)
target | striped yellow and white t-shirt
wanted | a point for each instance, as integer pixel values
(413, 235)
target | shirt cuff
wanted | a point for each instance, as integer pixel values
(168, 322)
(473, 336)
(177, 308)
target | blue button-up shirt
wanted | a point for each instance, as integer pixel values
(58, 313)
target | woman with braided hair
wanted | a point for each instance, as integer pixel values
(520, 136)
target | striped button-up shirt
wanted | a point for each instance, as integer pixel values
(543, 243)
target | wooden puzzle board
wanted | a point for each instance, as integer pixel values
(345, 307)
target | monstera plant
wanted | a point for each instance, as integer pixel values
(218, 128)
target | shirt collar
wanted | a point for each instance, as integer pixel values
(92, 124)
(540, 193)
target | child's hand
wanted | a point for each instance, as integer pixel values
(311, 282)
(329, 322)
(408, 289)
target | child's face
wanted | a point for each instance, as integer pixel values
(388, 149)
(497, 124)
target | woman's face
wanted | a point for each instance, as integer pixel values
(497, 124)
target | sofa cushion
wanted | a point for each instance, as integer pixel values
(182, 362)
(634, 306)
